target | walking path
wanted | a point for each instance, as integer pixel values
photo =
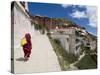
(43, 58)
(72, 67)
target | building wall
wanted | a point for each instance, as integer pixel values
(22, 25)
(49, 23)
(26, 6)
(64, 41)
(93, 45)
(72, 39)
(67, 40)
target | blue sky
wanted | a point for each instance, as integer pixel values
(85, 16)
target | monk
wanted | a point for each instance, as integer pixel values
(27, 47)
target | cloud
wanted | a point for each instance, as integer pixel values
(65, 5)
(78, 14)
(75, 12)
(89, 12)
(92, 15)
(81, 6)
(73, 6)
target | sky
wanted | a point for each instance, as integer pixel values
(85, 16)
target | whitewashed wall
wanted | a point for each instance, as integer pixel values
(22, 25)
(93, 45)
(70, 44)
(63, 39)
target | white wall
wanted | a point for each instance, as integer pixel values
(22, 25)
(63, 39)
(93, 45)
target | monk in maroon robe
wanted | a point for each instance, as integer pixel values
(27, 47)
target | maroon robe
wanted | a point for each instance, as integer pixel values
(27, 47)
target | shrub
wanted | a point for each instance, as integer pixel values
(64, 58)
(57, 41)
(38, 27)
